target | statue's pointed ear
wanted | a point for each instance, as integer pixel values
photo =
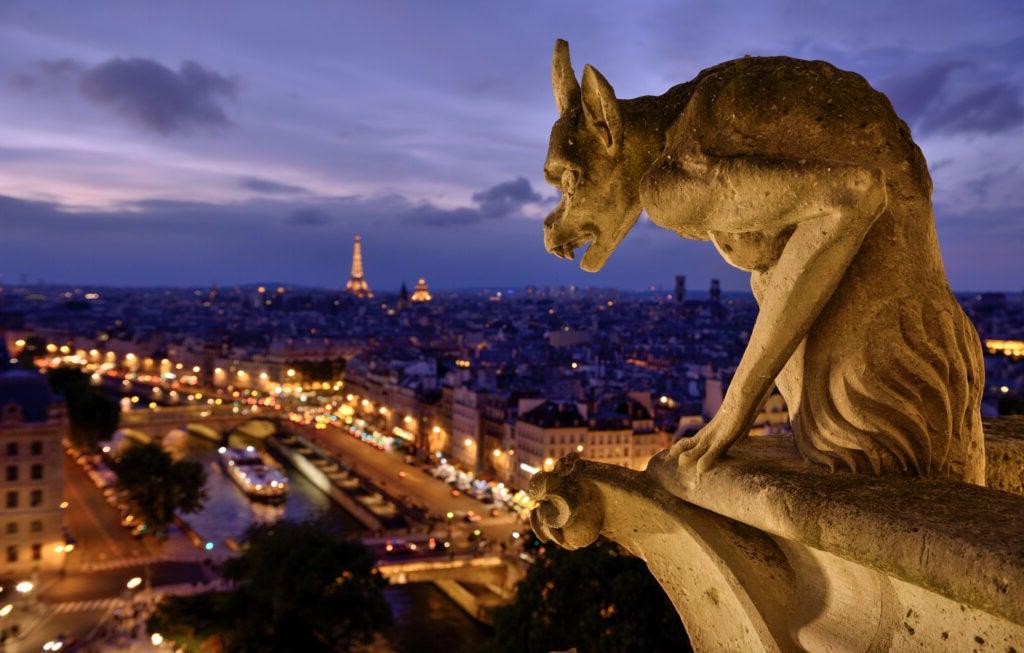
(601, 108)
(563, 79)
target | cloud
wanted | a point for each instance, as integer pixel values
(992, 109)
(308, 218)
(954, 97)
(912, 94)
(269, 187)
(506, 198)
(188, 243)
(48, 75)
(158, 98)
(145, 92)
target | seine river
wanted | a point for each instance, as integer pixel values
(425, 619)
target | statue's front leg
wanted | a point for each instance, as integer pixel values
(828, 207)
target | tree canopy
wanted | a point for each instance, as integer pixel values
(597, 599)
(93, 416)
(158, 485)
(297, 587)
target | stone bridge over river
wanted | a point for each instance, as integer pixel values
(209, 422)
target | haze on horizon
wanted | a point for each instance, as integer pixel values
(190, 143)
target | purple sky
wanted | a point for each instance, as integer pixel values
(192, 142)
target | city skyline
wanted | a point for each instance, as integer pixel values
(159, 149)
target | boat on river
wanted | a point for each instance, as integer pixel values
(259, 480)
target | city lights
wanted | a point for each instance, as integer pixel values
(133, 582)
(529, 469)
(24, 587)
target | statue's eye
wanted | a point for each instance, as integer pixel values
(570, 178)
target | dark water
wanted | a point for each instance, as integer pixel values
(228, 512)
(425, 620)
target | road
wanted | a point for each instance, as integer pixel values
(383, 467)
(96, 572)
(95, 525)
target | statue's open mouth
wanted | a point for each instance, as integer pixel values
(567, 248)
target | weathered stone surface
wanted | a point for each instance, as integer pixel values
(803, 175)
(767, 553)
(1004, 448)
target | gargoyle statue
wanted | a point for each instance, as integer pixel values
(803, 175)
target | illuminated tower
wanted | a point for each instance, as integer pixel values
(421, 293)
(356, 283)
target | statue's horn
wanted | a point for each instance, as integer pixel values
(563, 79)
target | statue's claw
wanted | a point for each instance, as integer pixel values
(701, 452)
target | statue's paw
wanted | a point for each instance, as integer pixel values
(697, 454)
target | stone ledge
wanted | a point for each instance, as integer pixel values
(1004, 453)
(962, 541)
(766, 552)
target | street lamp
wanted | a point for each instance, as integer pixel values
(133, 582)
(24, 587)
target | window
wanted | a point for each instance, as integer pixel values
(37, 551)
(12, 448)
(12, 499)
(12, 472)
(12, 528)
(36, 526)
(37, 447)
(12, 554)
(36, 498)
(37, 472)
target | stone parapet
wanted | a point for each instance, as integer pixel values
(1004, 451)
(765, 552)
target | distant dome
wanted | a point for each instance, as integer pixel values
(421, 293)
(27, 390)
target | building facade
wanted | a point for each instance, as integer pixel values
(32, 426)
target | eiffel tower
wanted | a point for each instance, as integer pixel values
(357, 285)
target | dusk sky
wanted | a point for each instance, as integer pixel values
(187, 143)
